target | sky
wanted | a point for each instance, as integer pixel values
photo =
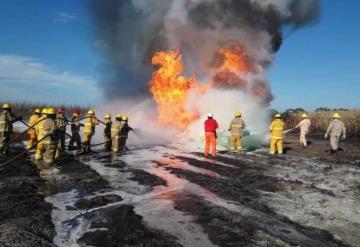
(48, 55)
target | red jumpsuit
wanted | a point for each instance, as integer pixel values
(210, 136)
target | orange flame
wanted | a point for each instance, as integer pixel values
(171, 89)
(235, 59)
(235, 64)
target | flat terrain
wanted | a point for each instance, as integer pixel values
(164, 196)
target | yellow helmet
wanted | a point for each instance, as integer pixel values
(304, 115)
(6, 106)
(238, 114)
(119, 116)
(37, 110)
(50, 111)
(277, 115)
(124, 117)
(107, 116)
(91, 112)
(336, 115)
(44, 111)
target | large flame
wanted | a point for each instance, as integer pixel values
(171, 89)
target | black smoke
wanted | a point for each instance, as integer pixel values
(128, 32)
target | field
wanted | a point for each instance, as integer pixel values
(166, 196)
(321, 119)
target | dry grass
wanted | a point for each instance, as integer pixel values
(321, 119)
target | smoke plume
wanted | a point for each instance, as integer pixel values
(129, 32)
(215, 54)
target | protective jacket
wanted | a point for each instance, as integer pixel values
(116, 128)
(61, 122)
(75, 124)
(49, 128)
(39, 127)
(125, 129)
(304, 125)
(237, 126)
(89, 125)
(336, 128)
(211, 125)
(107, 129)
(7, 118)
(277, 129)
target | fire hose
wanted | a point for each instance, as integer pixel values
(22, 153)
(31, 127)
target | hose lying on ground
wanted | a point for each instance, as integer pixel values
(22, 153)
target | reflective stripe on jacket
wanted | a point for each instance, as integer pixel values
(336, 128)
(48, 127)
(237, 126)
(277, 129)
(89, 125)
(32, 121)
(6, 121)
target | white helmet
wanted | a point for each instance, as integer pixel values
(210, 115)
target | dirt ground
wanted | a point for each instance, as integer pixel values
(163, 196)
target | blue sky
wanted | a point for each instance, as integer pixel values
(47, 54)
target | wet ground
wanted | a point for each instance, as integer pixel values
(163, 196)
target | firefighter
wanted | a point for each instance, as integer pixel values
(61, 122)
(277, 135)
(236, 128)
(39, 134)
(75, 130)
(89, 130)
(107, 132)
(7, 118)
(304, 127)
(33, 120)
(336, 130)
(115, 133)
(124, 132)
(210, 126)
(51, 135)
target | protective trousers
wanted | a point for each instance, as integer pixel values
(4, 139)
(32, 138)
(210, 142)
(115, 147)
(60, 148)
(334, 142)
(122, 144)
(40, 147)
(108, 143)
(86, 143)
(75, 138)
(49, 154)
(303, 138)
(276, 143)
(235, 143)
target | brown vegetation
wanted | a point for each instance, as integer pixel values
(321, 119)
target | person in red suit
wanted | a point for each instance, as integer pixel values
(210, 135)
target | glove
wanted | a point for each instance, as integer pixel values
(326, 136)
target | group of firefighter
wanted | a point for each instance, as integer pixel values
(47, 132)
(335, 131)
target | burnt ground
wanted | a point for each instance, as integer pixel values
(25, 218)
(167, 197)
